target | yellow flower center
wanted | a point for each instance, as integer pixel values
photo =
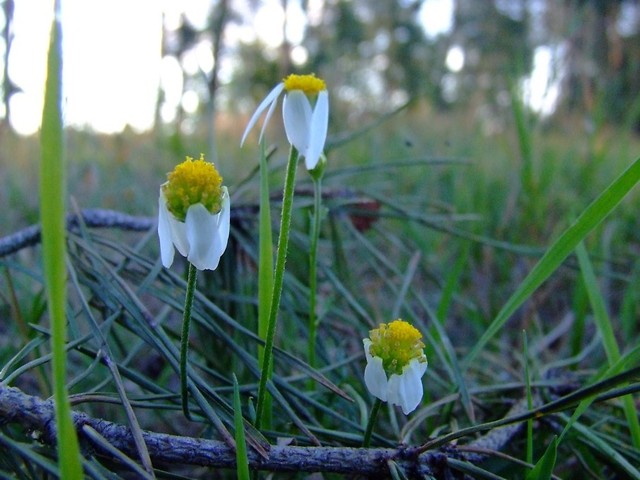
(309, 84)
(192, 182)
(397, 343)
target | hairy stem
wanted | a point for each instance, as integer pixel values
(278, 280)
(184, 343)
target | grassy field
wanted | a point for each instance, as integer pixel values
(441, 219)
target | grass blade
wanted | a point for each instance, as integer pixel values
(242, 461)
(560, 250)
(603, 323)
(265, 269)
(527, 382)
(544, 468)
(52, 198)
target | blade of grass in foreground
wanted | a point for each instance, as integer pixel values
(242, 461)
(265, 269)
(544, 468)
(560, 250)
(603, 323)
(52, 198)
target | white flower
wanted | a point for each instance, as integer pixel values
(395, 364)
(305, 126)
(186, 221)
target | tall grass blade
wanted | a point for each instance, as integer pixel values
(527, 382)
(265, 267)
(52, 208)
(560, 249)
(526, 147)
(544, 468)
(603, 323)
(242, 460)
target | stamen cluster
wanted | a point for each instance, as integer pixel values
(308, 84)
(192, 182)
(396, 343)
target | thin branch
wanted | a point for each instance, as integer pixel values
(104, 218)
(30, 236)
(36, 415)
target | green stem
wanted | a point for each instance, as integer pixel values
(184, 343)
(371, 423)
(313, 255)
(278, 279)
(265, 269)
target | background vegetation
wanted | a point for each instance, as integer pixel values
(443, 190)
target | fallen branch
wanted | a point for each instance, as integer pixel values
(99, 218)
(104, 218)
(36, 415)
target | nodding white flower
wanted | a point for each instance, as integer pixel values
(306, 126)
(194, 212)
(395, 364)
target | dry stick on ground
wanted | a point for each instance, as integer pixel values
(104, 218)
(30, 236)
(36, 415)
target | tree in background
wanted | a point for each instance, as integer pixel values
(185, 40)
(602, 58)
(6, 33)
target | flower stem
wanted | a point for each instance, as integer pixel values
(184, 343)
(370, 424)
(278, 279)
(313, 255)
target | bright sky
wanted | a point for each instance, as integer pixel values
(112, 55)
(111, 63)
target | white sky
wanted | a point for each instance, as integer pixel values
(112, 66)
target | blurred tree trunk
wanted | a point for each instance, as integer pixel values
(219, 20)
(8, 88)
(285, 47)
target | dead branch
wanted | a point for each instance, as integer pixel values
(96, 218)
(37, 416)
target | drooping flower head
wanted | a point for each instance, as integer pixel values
(395, 364)
(194, 213)
(305, 125)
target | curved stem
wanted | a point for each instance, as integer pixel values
(371, 423)
(184, 343)
(313, 255)
(278, 279)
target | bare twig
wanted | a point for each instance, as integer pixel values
(30, 236)
(104, 218)
(36, 415)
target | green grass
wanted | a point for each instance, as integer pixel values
(452, 245)
(52, 218)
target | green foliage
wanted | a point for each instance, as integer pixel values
(544, 468)
(242, 460)
(52, 215)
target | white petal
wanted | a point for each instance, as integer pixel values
(224, 221)
(202, 235)
(367, 346)
(269, 101)
(164, 232)
(178, 234)
(405, 390)
(318, 130)
(296, 112)
(374, 376)
(267, 117)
